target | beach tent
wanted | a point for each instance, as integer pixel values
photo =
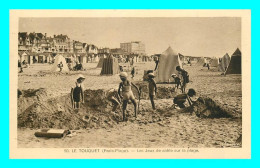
(167, 65)
(96, 58)
(201, 61)
(214, 62)
(100, 63)
(110, 66)
(223, 63)
(234, 66)
(59, 58)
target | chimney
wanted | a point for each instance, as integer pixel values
(45, 35)
(54, 35)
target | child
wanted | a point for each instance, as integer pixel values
(77, 93)
(133, 72)
(152, 88)
(127, 93)
(156, 60)
(113, 97)
(183, 75)
(180, 99)
(177, 80)
(60, 65)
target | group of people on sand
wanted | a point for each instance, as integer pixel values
(124, 94)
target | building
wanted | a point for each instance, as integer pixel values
(61, 44)
(38, 48)
(134, 47)
(103, 51)
(91, 49)
(78, 47)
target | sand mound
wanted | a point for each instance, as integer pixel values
(205, 107)
(36, 110)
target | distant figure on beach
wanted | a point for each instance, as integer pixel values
(78, 67)
(34, 60)
(184, 76)
(180, 99)
(152, 88)
(70, 66)
(127, 93)
(177, 81)
(208, 66)
(189, 62)
(20, 66)
(19, 93)
(156, 62)
(133, 72)
(77, 93)
(60, 65)
(121, 68)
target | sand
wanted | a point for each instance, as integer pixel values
(165, 127)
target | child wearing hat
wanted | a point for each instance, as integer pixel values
(127, 93)
(152, 88)
(77, 93)
(177, 80)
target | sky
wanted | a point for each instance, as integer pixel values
(193, 36)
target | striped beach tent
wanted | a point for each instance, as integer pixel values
(201, 61)
(100, 62)
(110, 66)
(223, 63)
(234, 66)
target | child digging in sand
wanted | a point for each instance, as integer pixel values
(77, 95)
(152, 88)
(127, 93)
(180, 99)
(177, 81)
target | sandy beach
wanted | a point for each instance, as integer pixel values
(164, 127)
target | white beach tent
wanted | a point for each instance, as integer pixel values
(214, 62)
(201, 61)
(59, 58)
(167, 65)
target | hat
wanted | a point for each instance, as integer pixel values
(151, 74)
(81, 77)
(123, 74)
(173, 75)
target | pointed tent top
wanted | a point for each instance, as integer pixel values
(169, 51)
(237, 53)
(226, 55)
